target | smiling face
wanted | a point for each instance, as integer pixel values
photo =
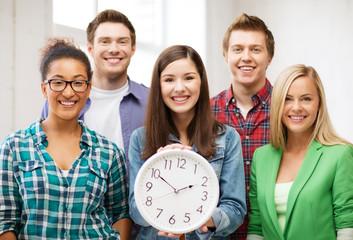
(180, 87)
(111, 49)
(247, 58)
(301, 107)
(66, 104)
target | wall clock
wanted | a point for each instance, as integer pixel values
(176, 191)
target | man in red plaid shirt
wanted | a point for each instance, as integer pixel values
(248, 48)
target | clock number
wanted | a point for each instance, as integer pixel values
(204, 183)
(149, 201)
(172, 220)
(149, 185)
(195, 168)
(187, 218)
(167, 163)
(160, 212)
(181, 163)
(199, 209)
(204, 198)
(155, 173)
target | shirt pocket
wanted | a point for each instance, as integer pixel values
(32, 178)
(96, 185)
(216, 161)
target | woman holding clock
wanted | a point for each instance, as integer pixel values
(179, 116)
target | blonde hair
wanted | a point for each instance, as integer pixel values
(323, 131)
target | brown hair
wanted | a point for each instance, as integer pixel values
(202, 130)
(249, 23)
(59, 48)
(323, 132)
(109, 15)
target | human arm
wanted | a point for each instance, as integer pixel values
(228, 165)
(136, 162)
(10, 199)
(8, 236)
(116, 201)
(342, 193)
(255, 226)
(124, 227)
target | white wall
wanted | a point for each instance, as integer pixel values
(312, 32)
(24, 24)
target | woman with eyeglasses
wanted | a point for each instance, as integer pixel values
(58, 179)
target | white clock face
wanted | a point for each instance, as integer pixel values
(176, 191)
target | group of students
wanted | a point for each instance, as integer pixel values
(276, 153)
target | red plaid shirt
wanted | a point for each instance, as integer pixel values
(254, 131)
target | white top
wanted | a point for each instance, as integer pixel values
(65, 172)
(243, 111)
(103, 116)
(281, 199)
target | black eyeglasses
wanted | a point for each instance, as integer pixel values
(58, 85)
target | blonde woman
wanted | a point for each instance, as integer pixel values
(302, 182)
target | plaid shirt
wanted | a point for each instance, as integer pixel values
(38, 202)
(254, 131)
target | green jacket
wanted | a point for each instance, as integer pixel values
(320, 200)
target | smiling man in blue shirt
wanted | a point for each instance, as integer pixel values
(116, 105)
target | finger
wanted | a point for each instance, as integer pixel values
(204, 228)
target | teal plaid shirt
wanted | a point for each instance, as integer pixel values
(37, 201)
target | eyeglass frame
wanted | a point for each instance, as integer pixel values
(48, 81)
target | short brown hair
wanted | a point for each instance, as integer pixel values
(246, 23)
(109, 15)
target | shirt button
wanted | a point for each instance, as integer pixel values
(247, 137)
(247, 162)
(237, 114)
(233, 100)
(247, 188)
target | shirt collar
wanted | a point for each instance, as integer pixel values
(134, 89)
(263, 96)
(37, 133)
(88, 139)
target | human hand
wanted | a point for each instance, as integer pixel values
(171, 235)
(203, 228)
(175, 146)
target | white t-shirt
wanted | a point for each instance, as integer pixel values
(103, 115)
(281, 199)
(243, 111)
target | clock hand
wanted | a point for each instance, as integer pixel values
(190, 186)
(164, 195)
(168, 184)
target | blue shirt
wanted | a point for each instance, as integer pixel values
(132, 112)
(38, 202)
(228, 165)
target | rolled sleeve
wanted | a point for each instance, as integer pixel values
(116, 201)
(10, 200)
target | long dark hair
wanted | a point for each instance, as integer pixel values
(203, 128)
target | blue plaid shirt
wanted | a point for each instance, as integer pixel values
(37, 201)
